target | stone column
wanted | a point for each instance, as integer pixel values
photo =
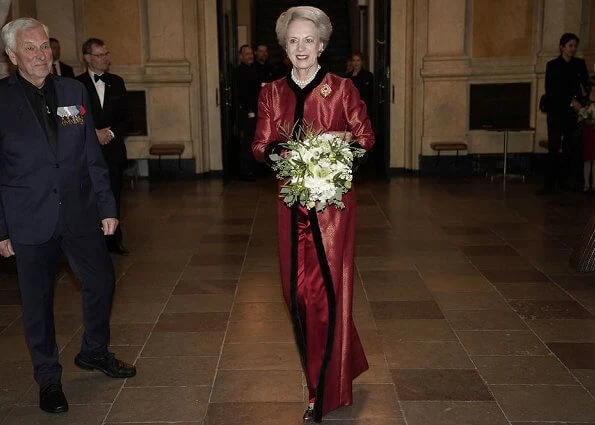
(445, 69)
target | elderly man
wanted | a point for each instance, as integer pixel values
(54, 197)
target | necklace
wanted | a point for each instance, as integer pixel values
(303, 83)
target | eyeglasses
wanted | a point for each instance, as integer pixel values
(99, 55)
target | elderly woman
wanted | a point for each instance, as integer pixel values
(316, 250)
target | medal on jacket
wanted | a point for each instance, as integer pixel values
(71, 115)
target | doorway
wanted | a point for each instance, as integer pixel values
(228, 41)
(384, 91)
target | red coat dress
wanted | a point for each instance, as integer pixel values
(316, 250)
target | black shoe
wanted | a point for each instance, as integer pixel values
(308, 416)
(108, 364)
(52, 399)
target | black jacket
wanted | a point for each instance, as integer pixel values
(37, 181)
(66, 70)
(563, 81)
(115, 114)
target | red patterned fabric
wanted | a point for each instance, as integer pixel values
(337, 109)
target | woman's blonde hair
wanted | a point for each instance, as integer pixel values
(310, 13)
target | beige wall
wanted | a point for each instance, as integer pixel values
(169, 49)
(117, 22)
(503, 28)
(440, 47)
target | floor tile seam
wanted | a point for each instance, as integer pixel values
(257, 369)
(233, 304)
(537, 385)
(526, 322)
(384, 354)
(263, 342)
(382, 212)
(137, 387)
(469, 357)
(544, 343)
(149, 334)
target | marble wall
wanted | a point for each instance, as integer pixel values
(165, 48)
(440, 47)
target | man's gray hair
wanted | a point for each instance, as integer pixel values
(9, 31)
(310, 13)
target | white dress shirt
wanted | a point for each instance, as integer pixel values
(99, 86)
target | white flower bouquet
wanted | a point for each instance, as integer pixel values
(587, 114)
(316, 169)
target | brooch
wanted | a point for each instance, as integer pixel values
(71, 115)
(326, 91)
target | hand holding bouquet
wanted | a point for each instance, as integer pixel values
(587, 114)
(316, 168)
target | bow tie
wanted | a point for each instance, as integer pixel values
(99, 77)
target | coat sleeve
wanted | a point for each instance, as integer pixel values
(98, 171)
(267, 133)
(357, 116)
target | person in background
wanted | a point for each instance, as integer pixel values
(248, 84)
(59, 68)
(264, 69)
(363, 80)
(55, 198)
(113, 120)
(566, 78)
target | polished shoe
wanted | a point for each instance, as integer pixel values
(107, 364)
(308, 416)
(52, 399)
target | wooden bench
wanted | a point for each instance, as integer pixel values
(448, 147)
(167, 149)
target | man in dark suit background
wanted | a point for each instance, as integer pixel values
(113, 119)
(59, 68)
(54, 197)
(248, 85)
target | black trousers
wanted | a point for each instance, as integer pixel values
(247, 130)
(36, 268)
(564, 163)
(116, 175)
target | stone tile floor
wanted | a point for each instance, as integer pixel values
(464, 300)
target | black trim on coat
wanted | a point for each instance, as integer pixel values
(298, 328)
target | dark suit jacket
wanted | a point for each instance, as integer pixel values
(115, 114)
(563, 81)
(36, 181)
(66, 70)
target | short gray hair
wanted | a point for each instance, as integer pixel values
(10, 30)
(310, 13)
